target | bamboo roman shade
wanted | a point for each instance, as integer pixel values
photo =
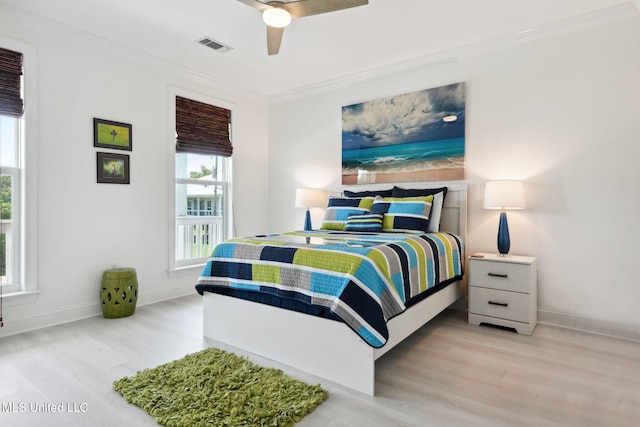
(202, 128)
(11, 103)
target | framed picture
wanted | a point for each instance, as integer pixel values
(108, 134)
(418, 136)
(113, 168)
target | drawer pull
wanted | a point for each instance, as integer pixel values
(501, 304)
(504, 276)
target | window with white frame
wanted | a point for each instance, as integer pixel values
(203, 180)
(11, 140)
(10, 204)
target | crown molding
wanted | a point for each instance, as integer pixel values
(586, 22)
(565, 27)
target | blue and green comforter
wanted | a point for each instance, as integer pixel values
(362, 279)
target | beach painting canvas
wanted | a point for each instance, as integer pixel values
(417, 136)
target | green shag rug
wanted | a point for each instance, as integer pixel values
(216, 388)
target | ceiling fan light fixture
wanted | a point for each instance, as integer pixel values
(276, 17)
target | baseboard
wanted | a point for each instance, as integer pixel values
(571, 321)
(19, 325)
(586, 324)
(166, 294)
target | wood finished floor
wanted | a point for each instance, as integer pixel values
(449, 373)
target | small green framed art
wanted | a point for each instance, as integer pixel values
(108, 134)
(113, 168)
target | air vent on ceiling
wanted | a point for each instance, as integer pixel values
(215, 45)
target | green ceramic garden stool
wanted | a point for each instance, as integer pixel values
(119, 292)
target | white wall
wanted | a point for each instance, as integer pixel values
(559, 112)
(84, 227)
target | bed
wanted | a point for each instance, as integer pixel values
(336, 339)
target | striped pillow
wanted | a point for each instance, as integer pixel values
(439, 195)
(340, 208)
(404, 214)
(365, 222)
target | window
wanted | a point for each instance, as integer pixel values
(11, 141)
(202, 198)
(9, 204)
(202, 181)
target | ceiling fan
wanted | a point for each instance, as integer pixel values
(277, 14)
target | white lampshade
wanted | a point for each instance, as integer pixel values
(504, 194)
(311, 198)
(276, 17)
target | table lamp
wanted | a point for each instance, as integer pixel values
(503, 195)
(311, 198)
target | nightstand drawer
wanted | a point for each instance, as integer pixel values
(500, 304)
(500, 275)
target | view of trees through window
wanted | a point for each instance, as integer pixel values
(5, 215)
(204, 171)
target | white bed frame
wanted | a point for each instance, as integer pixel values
(322, 347)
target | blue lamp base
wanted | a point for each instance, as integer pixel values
(503, 235)
(307, 221)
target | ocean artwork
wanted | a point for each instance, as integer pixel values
(417, 136)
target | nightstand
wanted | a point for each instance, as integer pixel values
(503, 291)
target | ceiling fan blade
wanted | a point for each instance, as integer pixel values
(256, 4)
(274, 39)
(301, 8)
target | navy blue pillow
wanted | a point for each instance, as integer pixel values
(416, 192)
(370, 193)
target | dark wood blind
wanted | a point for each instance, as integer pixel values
(11, 103)
(202, 128)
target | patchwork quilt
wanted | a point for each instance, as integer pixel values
(362, 279)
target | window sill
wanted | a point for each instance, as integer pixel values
(186, 271)
(19, 298)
